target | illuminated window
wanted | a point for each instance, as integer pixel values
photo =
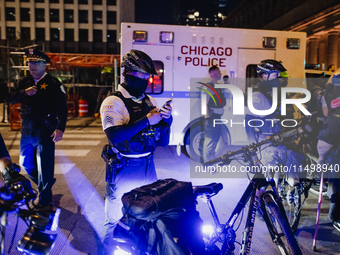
(155, 85)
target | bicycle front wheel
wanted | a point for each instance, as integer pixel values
(279, 228)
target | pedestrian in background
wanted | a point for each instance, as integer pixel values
(43, 112)
(215, 110)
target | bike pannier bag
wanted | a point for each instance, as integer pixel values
(150, 201)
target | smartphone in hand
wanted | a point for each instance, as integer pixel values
(166, 103)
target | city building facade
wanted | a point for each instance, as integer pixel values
(319, 19)
(65, 26)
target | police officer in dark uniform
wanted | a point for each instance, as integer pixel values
(329, 145)
(270, 72)
(44, 114)
(134, 127)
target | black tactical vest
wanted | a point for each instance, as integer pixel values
(145, 140)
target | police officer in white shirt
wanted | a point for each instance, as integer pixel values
(134, 126)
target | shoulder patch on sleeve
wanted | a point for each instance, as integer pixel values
(108, 107)
(108, 120)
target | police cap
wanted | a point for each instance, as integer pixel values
(36, 55)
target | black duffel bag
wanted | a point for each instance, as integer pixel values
(150, 201)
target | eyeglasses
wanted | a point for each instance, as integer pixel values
(144, 76)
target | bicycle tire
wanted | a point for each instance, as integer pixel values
(285, 239)
(292, 209)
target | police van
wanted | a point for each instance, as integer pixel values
(183, 55)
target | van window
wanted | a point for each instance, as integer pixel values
(155, 85)
(251, 76)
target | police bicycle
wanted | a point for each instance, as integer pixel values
(261, 194)
(266, 200)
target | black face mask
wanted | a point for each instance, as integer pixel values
(271, 84)
(135, 86)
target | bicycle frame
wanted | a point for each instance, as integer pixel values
(252, 193)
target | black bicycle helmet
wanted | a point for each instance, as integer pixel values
(137, 60)
(270, 66)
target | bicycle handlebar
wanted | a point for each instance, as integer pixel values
(271, 139)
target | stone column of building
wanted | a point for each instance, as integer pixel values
(312, 55)
(76, 26)
(104, 26)
(332, 49)
(2, 20)
(322, 54)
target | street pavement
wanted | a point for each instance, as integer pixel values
(80, 188)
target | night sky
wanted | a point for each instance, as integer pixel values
(167, 11)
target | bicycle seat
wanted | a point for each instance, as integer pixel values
(210, 189)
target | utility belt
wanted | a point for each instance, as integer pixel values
(115, 161)
(40, 119)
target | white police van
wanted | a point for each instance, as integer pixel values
(183, 55)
